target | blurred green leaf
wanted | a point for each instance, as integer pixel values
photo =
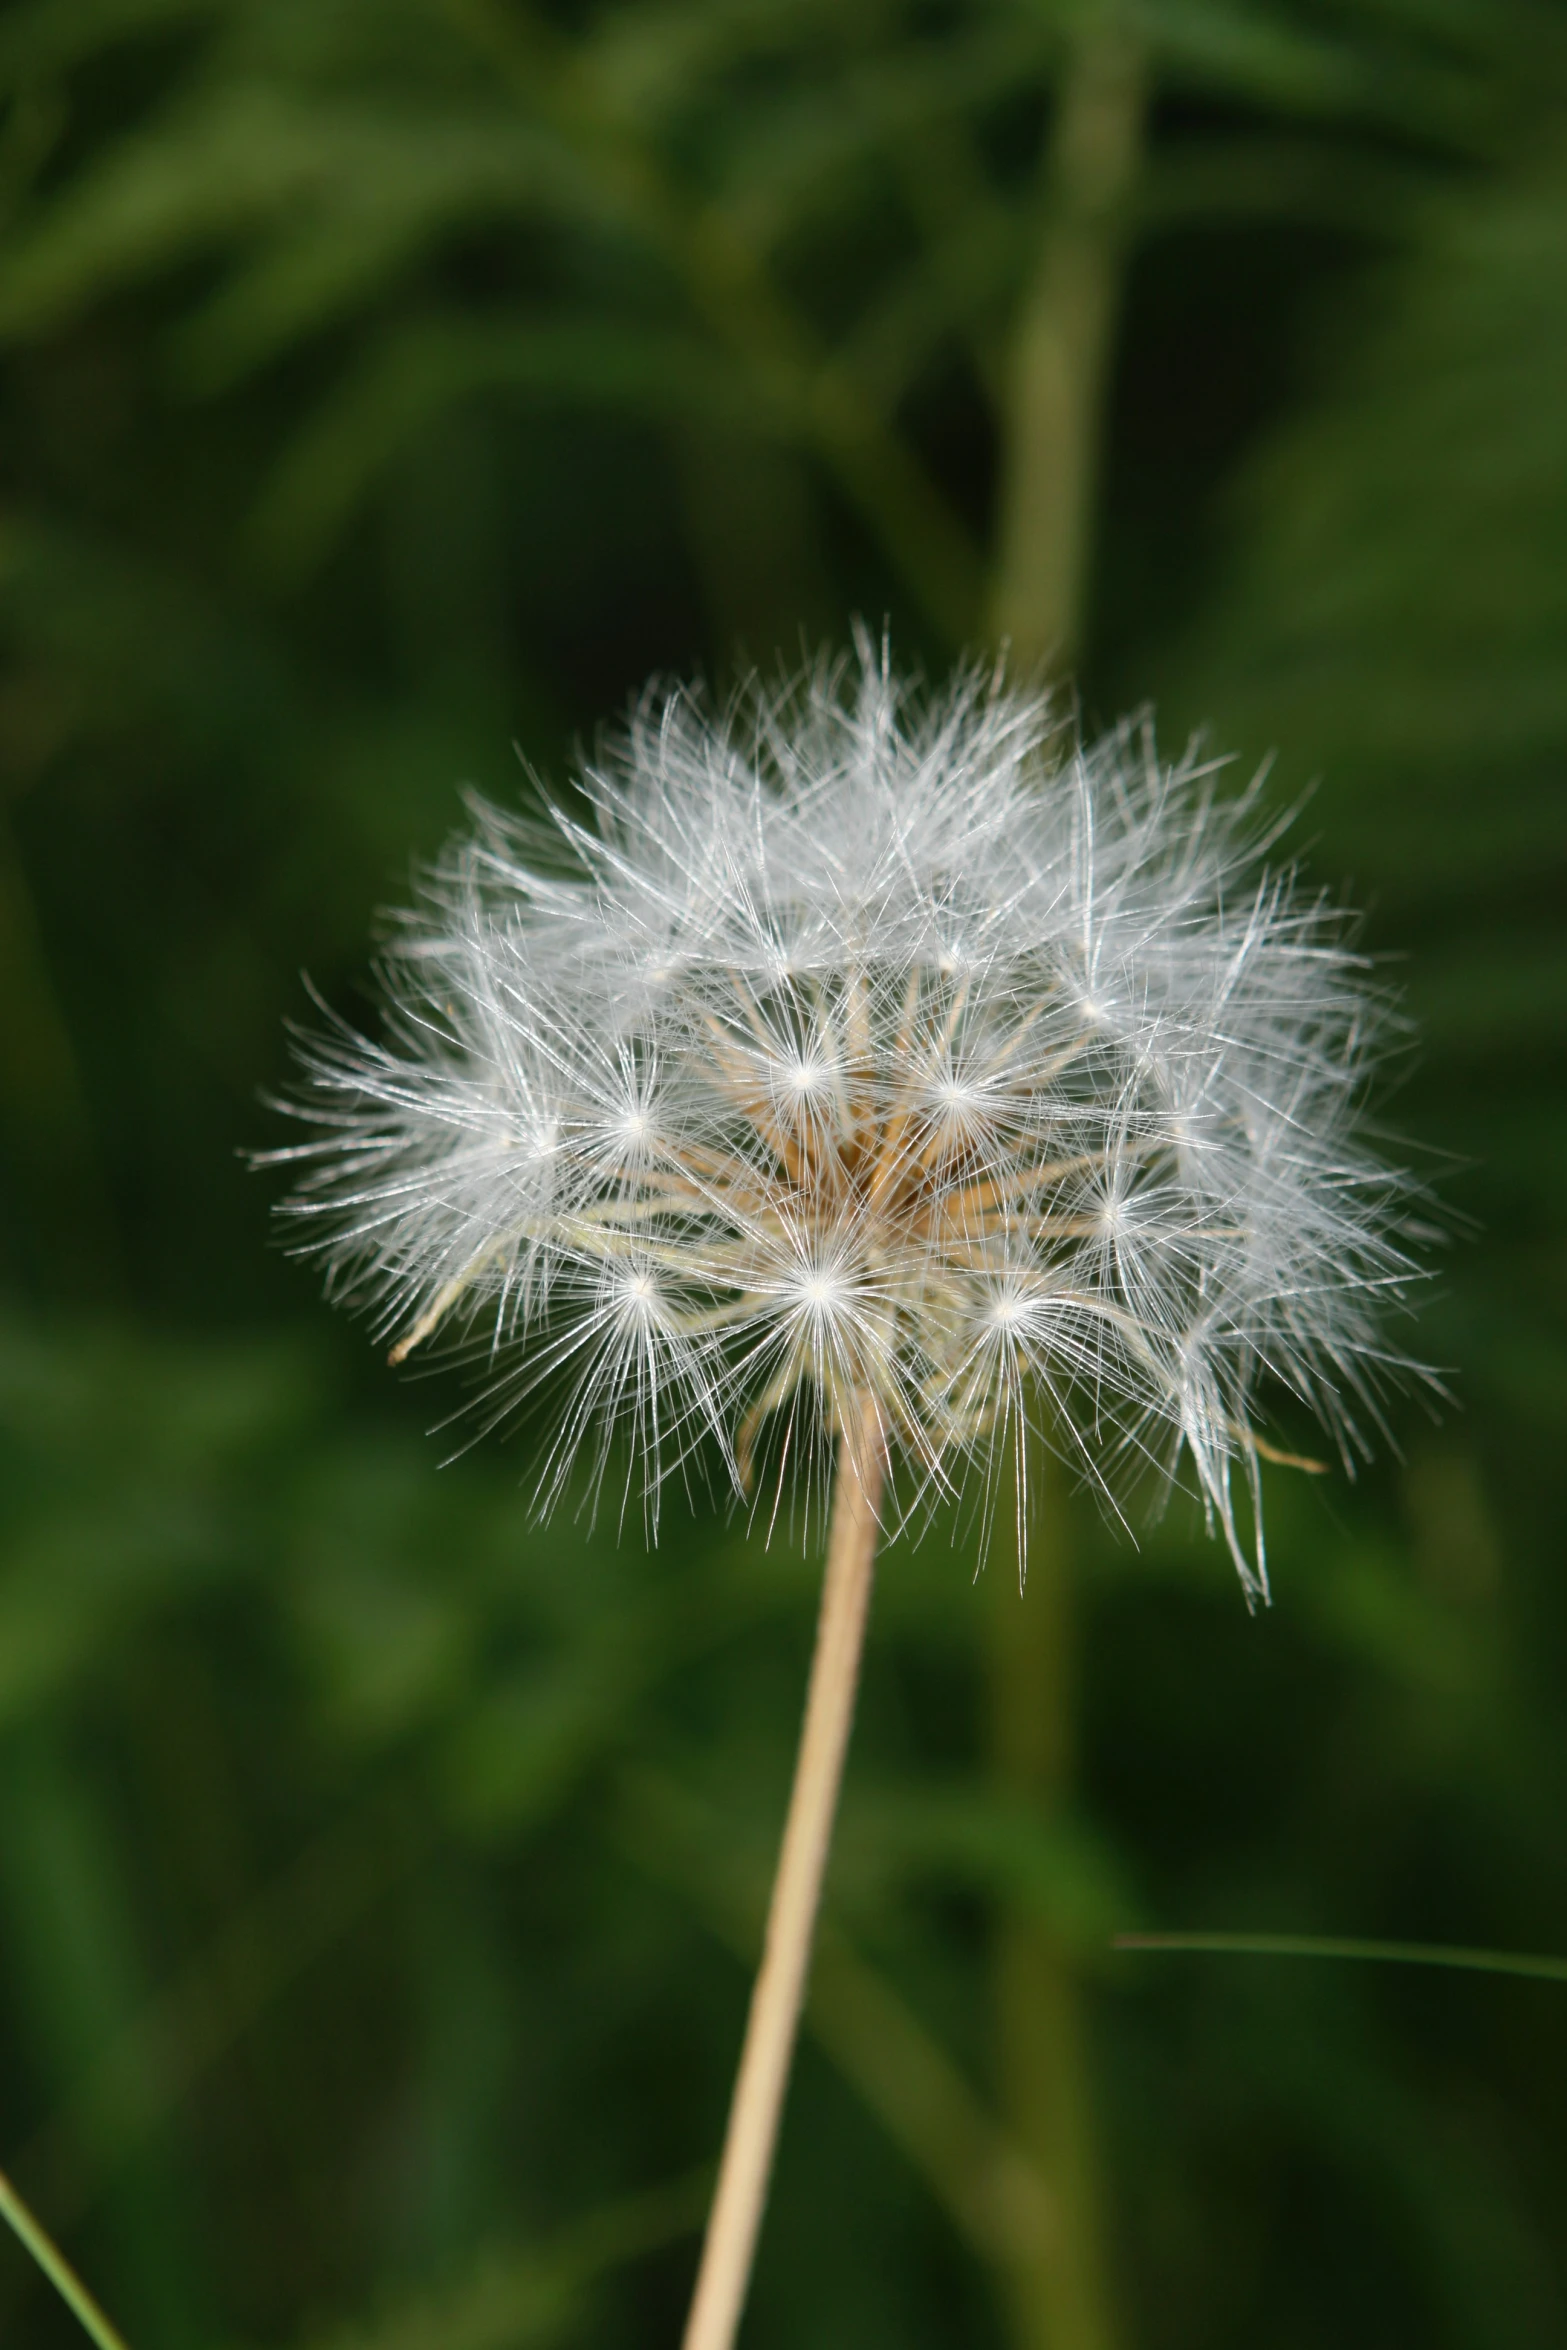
(511, 2300)
(344, 451)
(1060, 1870)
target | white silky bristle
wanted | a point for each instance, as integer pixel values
(871, 1041)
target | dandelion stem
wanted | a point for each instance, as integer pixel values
(57, 2268)
(791, 1920)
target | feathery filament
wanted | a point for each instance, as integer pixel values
(861, 1046)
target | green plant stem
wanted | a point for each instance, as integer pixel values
(1061, 349)
(773, 2023)
(1056, 2289)
(57, 2269)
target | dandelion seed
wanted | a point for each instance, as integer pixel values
(853, 1032)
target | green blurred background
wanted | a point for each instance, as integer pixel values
(388, 387)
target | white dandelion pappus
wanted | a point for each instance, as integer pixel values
(864, 1044)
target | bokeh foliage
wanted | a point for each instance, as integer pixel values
(386, 384)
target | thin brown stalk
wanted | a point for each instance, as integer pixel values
(791, 1919)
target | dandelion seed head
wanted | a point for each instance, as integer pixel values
(864, 1041)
